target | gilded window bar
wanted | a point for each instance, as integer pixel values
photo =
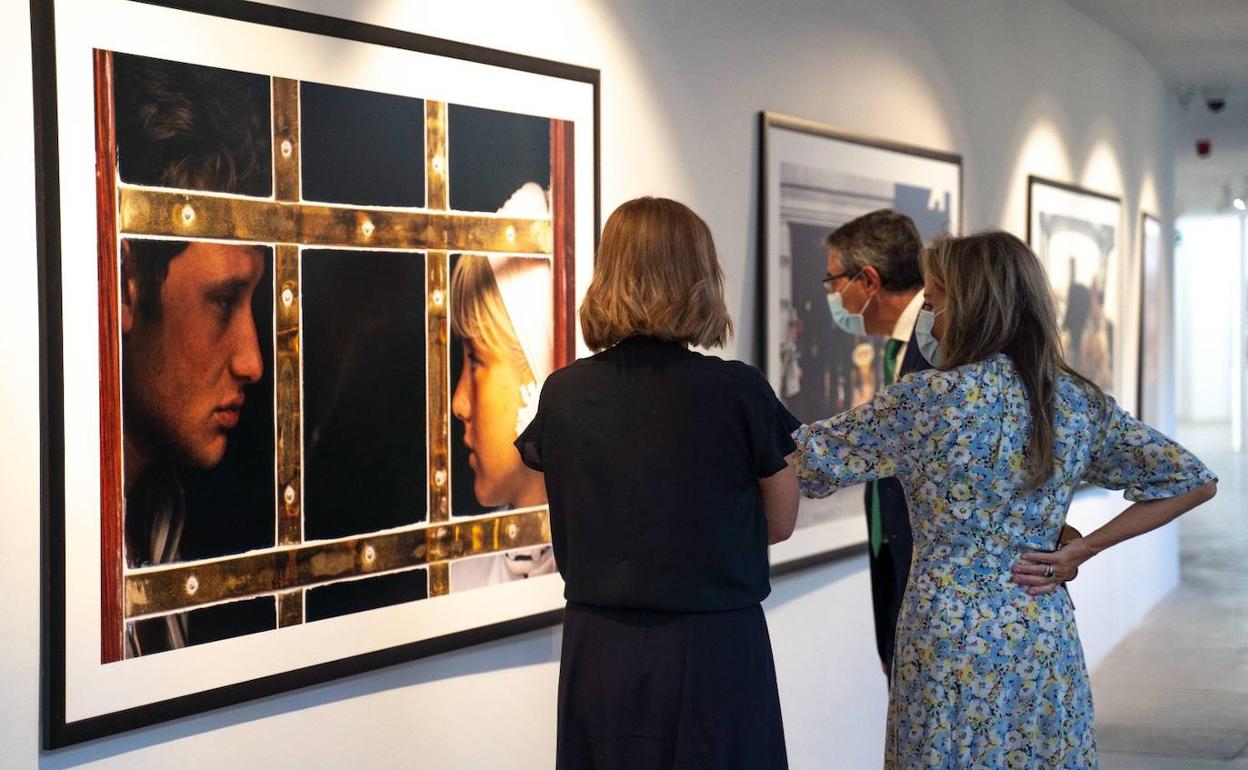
(206, 216)
(287, 347)
(437, 198)
(164, 589)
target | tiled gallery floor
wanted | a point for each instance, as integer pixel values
(1174, 695)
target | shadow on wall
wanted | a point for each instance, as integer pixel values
(535, 648)
(1102, 168)
(1040, 148)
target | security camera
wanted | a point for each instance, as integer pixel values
(1215, 101)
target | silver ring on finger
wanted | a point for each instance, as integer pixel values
(1048, 570)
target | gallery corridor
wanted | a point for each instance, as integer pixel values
(1174, 694)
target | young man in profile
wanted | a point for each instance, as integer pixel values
(189, 338)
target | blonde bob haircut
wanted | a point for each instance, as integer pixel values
(478, 314)
(656, 275)
(998, 300)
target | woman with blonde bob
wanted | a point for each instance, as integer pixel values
(666, 475)
(990, 447)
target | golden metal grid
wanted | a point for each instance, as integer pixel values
(204, 216)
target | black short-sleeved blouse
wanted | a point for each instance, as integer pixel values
(652, 455)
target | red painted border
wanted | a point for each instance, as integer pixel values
(563, 205)
(111, 489)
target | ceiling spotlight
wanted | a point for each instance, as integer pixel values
(1239, 204)
(1215, 99)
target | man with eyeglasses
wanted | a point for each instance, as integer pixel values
(875, 288)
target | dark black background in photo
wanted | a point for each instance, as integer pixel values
(231, 508)
(224, 621)
(364, 384)
(362, 147)
(141, 82)
(492, 154)
(368, 594)
(212, 624)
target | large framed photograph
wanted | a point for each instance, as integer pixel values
(302, 281)
(814, 178)
(1154, 320)
(1076, 233)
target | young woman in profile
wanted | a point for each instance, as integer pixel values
(666, 476)
(502, 312)
(990, 447)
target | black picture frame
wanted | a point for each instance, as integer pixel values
(1034, 179)
(766, 121)
(56, 731)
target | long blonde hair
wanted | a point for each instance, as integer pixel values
(998, 300)
(656, 274)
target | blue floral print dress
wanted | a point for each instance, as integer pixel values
(986, 676)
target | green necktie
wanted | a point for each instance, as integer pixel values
(877, 524)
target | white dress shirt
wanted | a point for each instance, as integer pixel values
(904, 329)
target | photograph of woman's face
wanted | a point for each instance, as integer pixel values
(488, 397)
(502, 348)
(501, 338)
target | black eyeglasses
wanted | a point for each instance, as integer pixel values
(829, 283)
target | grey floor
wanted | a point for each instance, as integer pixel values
(1174, 694)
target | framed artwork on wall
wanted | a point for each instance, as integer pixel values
(814, 178)
(302, 279)
(1154, 307)
(1076, 233)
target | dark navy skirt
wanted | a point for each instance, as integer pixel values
(643, 690)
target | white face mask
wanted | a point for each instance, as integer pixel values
(851, 323)
(929, 346)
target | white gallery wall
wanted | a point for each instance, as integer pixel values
(1017, 87)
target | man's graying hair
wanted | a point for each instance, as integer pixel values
(885, 240)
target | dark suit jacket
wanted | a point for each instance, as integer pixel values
(891, 569)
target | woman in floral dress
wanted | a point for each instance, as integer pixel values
(990, 673)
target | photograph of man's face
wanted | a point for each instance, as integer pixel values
(196, 341)
(191, 348)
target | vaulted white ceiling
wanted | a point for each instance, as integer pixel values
(1200, 47)
(1191, 42)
